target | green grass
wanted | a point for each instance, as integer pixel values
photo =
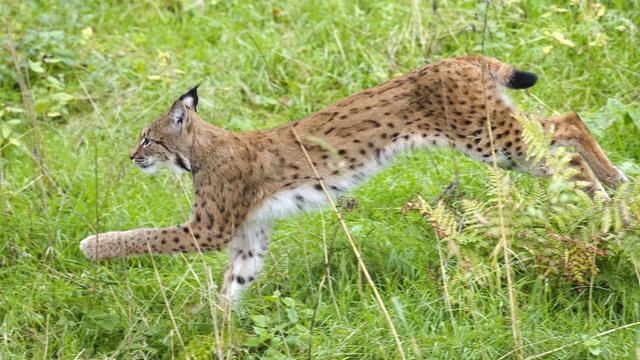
(262, 64)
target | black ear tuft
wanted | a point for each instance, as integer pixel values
(190, 98)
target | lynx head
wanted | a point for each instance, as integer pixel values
(167, 141)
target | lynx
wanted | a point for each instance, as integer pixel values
(243, 181)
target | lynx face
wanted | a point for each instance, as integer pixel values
(167, 141)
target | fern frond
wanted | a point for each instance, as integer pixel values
(534, 136)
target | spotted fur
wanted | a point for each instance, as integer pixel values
(243, 181)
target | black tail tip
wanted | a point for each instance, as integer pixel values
(521, 80)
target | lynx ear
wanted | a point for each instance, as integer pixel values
(178, 115)
(190, 98)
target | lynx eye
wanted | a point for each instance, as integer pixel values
(145, 142)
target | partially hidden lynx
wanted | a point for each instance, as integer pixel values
(245, 180)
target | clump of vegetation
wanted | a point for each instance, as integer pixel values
(554, 229)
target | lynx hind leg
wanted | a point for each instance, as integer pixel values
(584, 173)
(246, 257)
(569, 130)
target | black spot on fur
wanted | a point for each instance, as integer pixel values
(373, 122)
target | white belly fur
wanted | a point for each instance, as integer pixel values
(306, 197)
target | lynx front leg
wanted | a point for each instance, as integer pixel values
(123, 243)
(246, 257)
(142, 241)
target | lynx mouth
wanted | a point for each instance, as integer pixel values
(146, 165)
(143, 164)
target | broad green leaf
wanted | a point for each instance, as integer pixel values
(51, 60)
(42, 104)
(63, 96)
(289, 301)
(260, 320)
(36, 67)
(5, 131)
(55, 82)
(14, 109)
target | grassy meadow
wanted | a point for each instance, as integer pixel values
(97, 72)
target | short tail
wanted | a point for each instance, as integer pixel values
(521, 80)
(506, 74)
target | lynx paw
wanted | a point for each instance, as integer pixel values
(88, 247)
(621, 178)
(102, 246)
(616, 178)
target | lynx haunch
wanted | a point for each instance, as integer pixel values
(243, 181)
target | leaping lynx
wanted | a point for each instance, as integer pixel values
(243, 181)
